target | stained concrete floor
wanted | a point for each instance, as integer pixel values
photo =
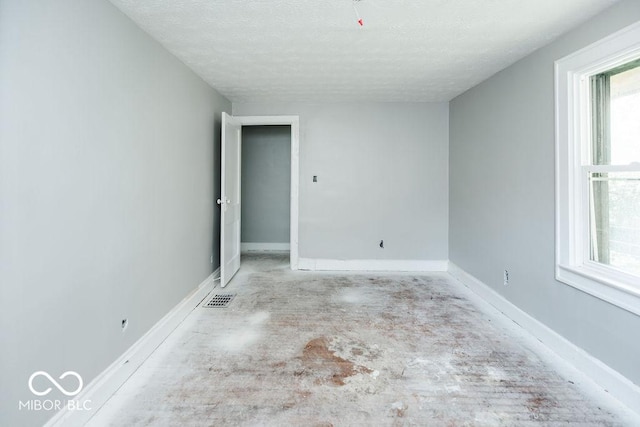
(346, 349)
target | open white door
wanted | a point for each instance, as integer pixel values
(230, 198)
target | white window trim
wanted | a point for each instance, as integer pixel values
(573, 265)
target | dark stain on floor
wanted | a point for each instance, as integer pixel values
(317, 356)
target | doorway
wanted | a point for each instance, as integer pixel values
(230, 218)
(265, 188)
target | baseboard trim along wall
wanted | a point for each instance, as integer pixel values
(264, 247)
(111, 379)
(615, 383)
(312, 264)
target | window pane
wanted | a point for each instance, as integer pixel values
(615, 220)
(625, 117)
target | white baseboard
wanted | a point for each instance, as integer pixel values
(371, 265)
(264, 247)
(615, 383)
(111, 379)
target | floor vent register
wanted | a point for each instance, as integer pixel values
(220, 301)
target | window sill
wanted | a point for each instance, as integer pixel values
(620, 290)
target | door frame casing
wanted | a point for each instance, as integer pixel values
(294, 123)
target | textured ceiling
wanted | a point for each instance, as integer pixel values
(314, 50)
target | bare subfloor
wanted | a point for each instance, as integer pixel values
(323, 349)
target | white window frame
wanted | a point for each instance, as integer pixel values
(573, 164)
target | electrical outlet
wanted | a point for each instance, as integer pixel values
(211, 259)
(506, 278)
(124, 324)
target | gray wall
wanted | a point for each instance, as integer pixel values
(382, 174)
(266, 184)
(107, 189)
(502, 197)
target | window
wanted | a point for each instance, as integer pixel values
(614, 169)
(598, 169)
